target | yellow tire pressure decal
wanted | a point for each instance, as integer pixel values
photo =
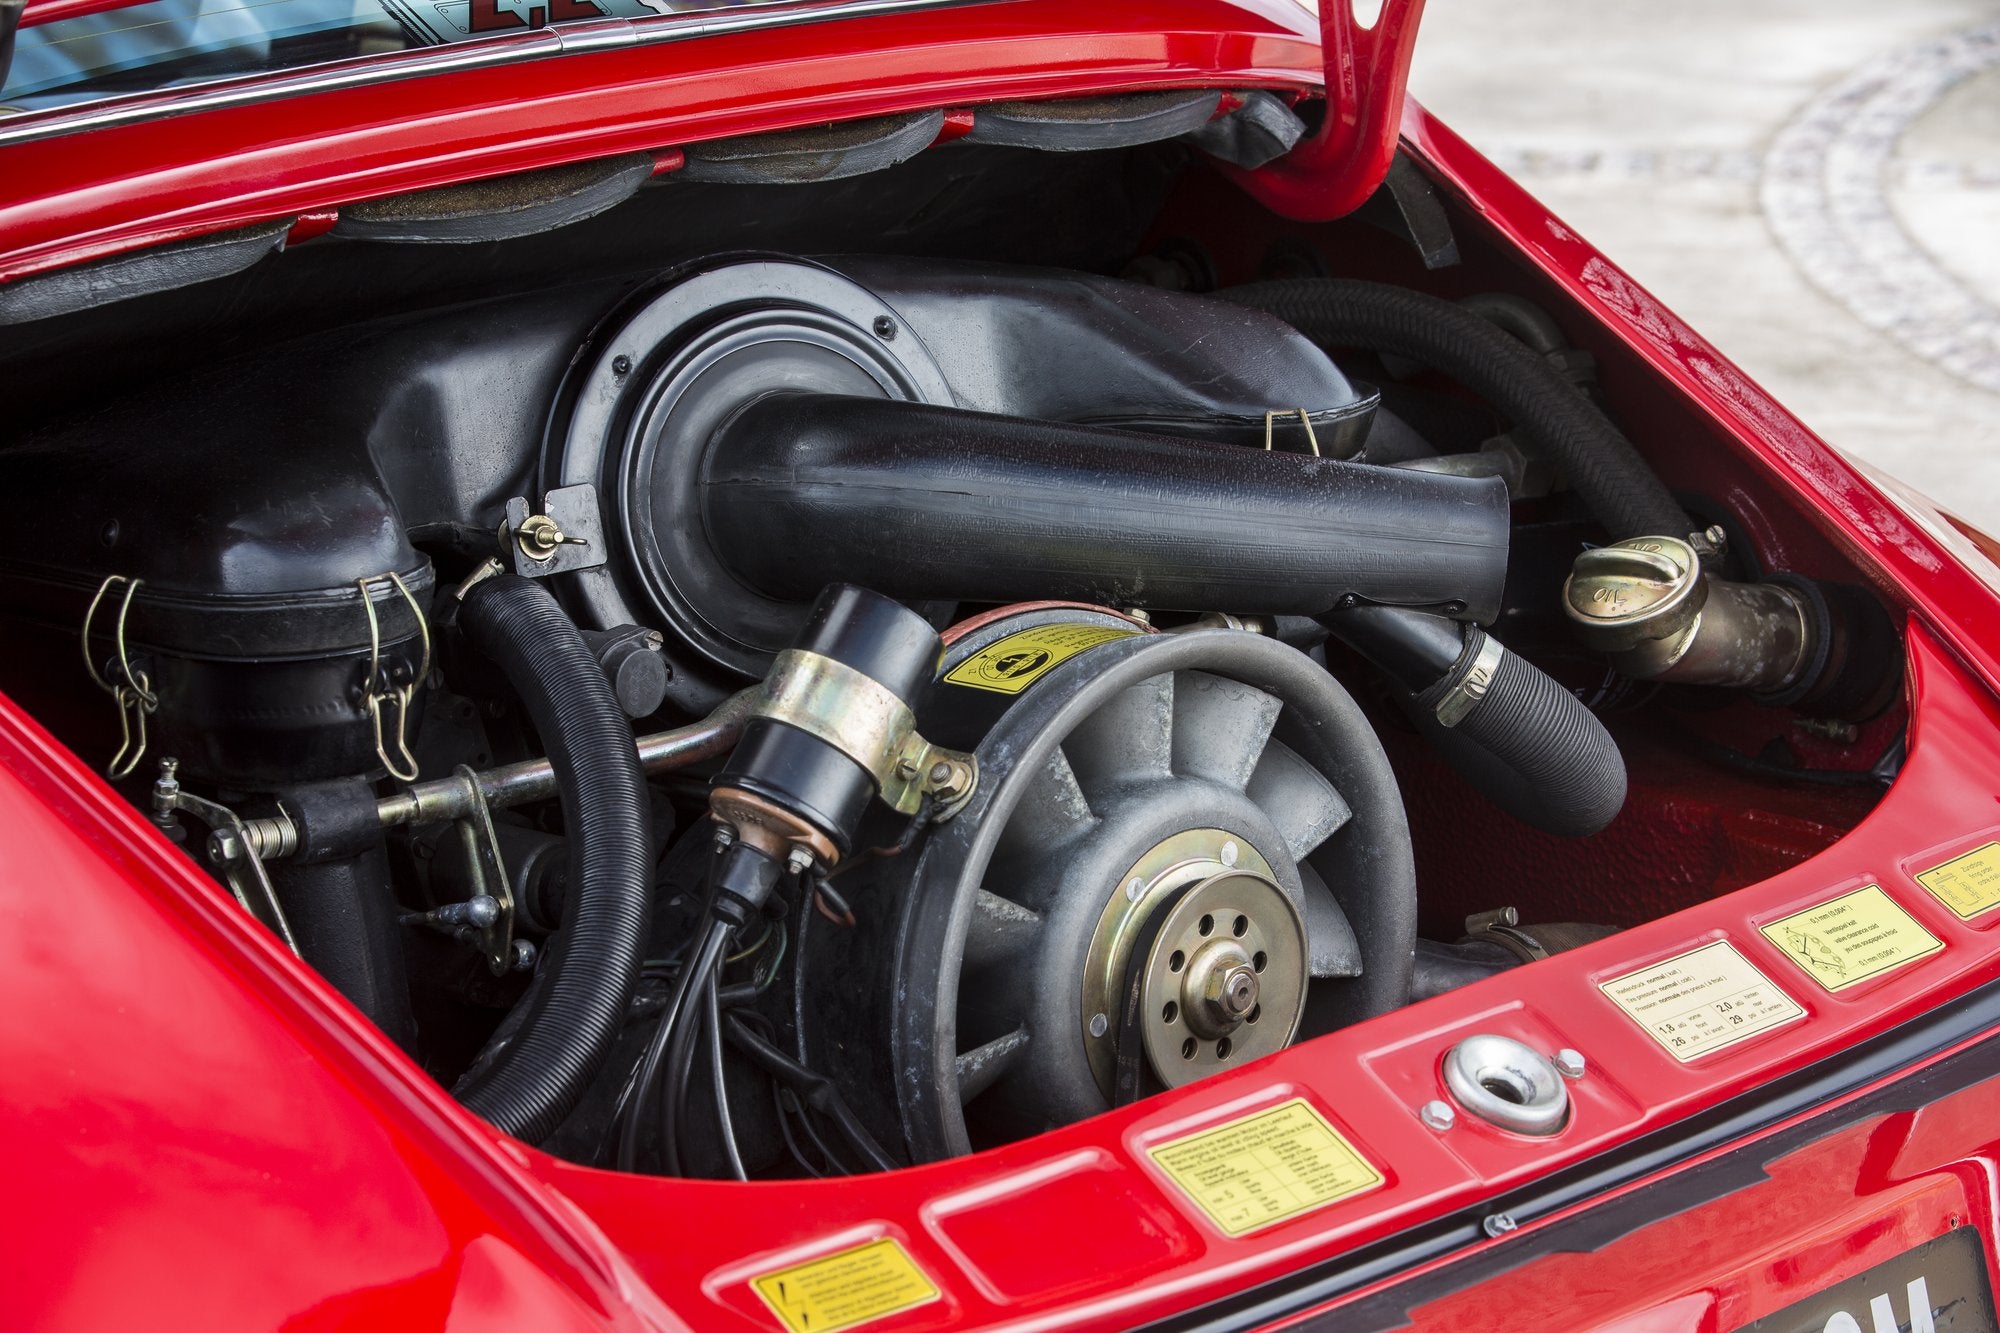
(1852, 938)
(1702, 1000)
(842, 1290)
(1968, 884)
(1267, 1167)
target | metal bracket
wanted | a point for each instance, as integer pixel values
(494, 936)
(567, 535)
(231, 850)
(863, 719)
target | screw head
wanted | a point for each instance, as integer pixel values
(1498, 1224)
(621, 365)
(885, 328)
(1230, 852)
(1099, 1025)
(1437, 1115)
(524, 956)
(1134, 888)
(1570, 1063)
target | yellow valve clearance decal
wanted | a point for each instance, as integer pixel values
(851, 1287)
(1012, 664)
(1265, 1168)
(1967, 884)
(1702, 1001)
(1852, 938)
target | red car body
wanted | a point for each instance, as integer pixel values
(197, 1132)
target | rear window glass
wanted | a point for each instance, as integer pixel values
(170, 43)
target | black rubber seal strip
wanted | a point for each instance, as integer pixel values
(1956, 1021)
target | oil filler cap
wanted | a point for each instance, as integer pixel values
(1507, 1084)
(1625, 594)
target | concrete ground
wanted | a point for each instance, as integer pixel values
(1813, 184)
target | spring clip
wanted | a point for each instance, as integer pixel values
(379, 691)
(133, 692)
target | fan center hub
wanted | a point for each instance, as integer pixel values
(1202, 945)
(1220, 990)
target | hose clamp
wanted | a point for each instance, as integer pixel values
(1472, 684)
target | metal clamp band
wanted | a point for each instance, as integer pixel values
(1466, 693)
(863, 719)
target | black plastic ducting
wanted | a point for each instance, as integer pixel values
(1528, 745)
(531, 1077)
(921, 502)
(1597, 460)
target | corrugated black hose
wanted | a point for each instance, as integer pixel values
(1597, 460)
(1527, 744)
(531, 1075)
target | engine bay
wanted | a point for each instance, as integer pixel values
(806, 679)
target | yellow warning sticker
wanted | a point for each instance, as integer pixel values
(1012, 664)
(1267, 1167)
(1852, 938)
(1967, 884)
(846, 1288)
(1702, 1001)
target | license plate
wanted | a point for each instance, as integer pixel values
(1939, 1287)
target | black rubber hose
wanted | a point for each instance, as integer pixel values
(1532, 748)
(574, 1011)
(1527, 744)
(1599, 463)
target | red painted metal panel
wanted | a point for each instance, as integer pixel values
(110, 190)
(198, 1133)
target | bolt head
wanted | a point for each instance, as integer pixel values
(1570, 1063)
(1437, 1115)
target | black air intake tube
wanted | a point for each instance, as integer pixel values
(1597, 461)
(532, 1073)
(920, 502)
(1523, 740)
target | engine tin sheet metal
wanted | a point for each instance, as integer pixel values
(1700, 1001)
(846, 1289)
(1849, 939)
(1266, 1167)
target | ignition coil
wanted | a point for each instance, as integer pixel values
(833, 727)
